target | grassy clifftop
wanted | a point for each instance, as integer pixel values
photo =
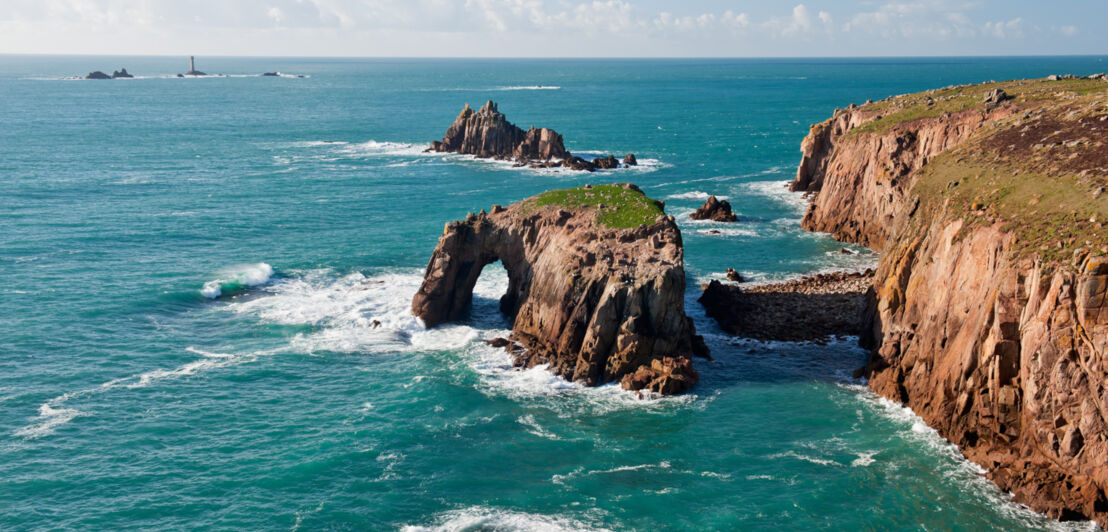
(616, 206)
(1041, 172)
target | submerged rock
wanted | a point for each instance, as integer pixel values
(715, 210)
(595, 286)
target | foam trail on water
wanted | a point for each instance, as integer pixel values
(485, 518)
(237, 278)
(52, 413)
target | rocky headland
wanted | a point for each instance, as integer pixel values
(988, 316)
(487, 133)
(808, 309)
(596, 286)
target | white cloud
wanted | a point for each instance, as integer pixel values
(938, 19)
(1003, 30)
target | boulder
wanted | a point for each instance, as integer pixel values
(97, 75)
(735, 276)
(596, 304)
(715, 210)
(118, 74)
(630, 160)
(606, 163)
(996, 96)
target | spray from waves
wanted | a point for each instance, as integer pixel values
(355, 313)
(237, 278)
(53, 413)
(485, 518)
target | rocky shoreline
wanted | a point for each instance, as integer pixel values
(811, 308)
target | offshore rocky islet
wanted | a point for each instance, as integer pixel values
(596, 286)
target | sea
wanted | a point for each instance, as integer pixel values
(205, 289)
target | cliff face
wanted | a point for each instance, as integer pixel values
(988, 314)
(596, 285)
(859, 181)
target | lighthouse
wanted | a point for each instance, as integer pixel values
(192, 68)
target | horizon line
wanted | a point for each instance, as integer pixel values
(494, 57)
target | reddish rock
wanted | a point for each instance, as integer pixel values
(597, 304)
(715, 210)
(1002, 352)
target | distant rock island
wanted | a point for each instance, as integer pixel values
(596, 286)
(118, 74)
(487, 134)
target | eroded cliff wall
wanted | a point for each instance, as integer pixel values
(988, 315)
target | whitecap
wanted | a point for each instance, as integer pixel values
(237, 278)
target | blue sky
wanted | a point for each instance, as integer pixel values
(555, 28)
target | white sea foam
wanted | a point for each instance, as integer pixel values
(485, 518)
(728, 231)
(528, 88)
(695, 195)
(374, 148)
(51, 417)
(53, 414)
(777, 191)
(806, 458)
(535, 428)
(237, 278)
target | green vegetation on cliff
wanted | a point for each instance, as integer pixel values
(1041, 173)
(616, 206)
(930, 104)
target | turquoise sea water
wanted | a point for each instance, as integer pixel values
(132, 397)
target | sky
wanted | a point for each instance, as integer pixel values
(554, 28)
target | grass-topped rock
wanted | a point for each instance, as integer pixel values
(596, 285)
(617, 206)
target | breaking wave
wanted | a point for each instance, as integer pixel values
(236, 279)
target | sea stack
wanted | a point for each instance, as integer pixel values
(487, 133)
(596, 286)
(715, 210)
(988, 315)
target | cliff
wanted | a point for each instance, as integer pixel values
(988, 315)
(596, 285)
(488, 134)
